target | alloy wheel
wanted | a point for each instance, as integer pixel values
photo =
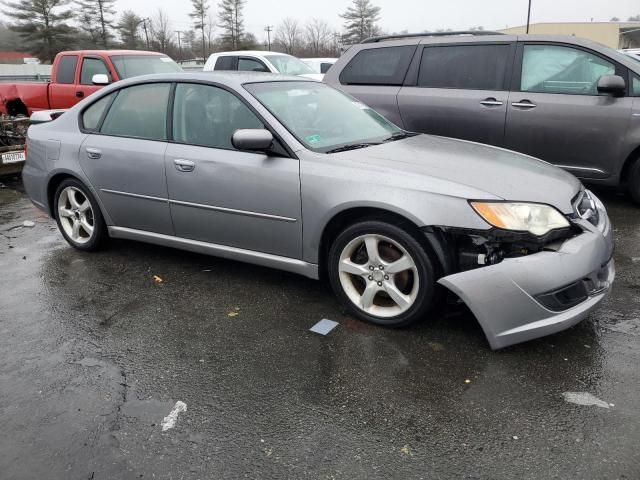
(76, 215)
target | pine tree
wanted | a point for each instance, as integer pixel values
(232, 22)
(360, 21)
(41, 24)
(199, 15)
(96, 18)
(128, 27)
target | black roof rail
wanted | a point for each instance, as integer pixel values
(476, 33)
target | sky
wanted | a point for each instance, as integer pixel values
(411, 15)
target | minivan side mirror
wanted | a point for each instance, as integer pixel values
(612, 84)
(100, 79)
(257, 139)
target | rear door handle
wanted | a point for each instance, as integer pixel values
(80, 94)
(491, 102)
(524, 104)
(93, 153)
(184, 165)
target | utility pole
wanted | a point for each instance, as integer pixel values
(179, 45)
(146, 33)
(268, 29)
(528, 16)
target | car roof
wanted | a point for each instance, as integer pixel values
(320, 59)
(112, 52)
(256, 53)
(232, 78)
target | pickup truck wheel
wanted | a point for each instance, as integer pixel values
(633, 185)
(78, 216)
(382, 274)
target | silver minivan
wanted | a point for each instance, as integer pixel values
(572, 102)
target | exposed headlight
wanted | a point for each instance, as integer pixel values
(535, 218)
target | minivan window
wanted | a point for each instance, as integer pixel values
(378, 66)
(139, 111)
(471, 67)
(558, 69)
(91, 67)
(67, 69)
(92, 115)
(207, 116)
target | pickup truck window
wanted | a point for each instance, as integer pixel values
(140, 112)
(67, 69)
(91, 67)
(135, 65)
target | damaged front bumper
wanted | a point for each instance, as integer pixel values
(527, 297)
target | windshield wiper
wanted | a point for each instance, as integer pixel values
(399, 136)
(351, 146)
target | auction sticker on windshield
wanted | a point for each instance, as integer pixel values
(13, 157)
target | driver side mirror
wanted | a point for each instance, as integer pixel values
(252, 139)
(100, 79)
(612, 84)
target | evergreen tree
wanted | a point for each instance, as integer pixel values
(96, 18)
(128, 26)
(232, 22)
(199, 15)
(360, 21)
(41, 24)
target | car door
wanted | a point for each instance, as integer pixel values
(555, 112)
(91, 66)
(220, 195)
(62, 90)
(461, 91)
(374, 76)
(123, 156)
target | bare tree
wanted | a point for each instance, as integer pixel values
(161, 31)
(318, 35)
(289, 35)
(199, 15)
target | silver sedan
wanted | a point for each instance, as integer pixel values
(293, 174)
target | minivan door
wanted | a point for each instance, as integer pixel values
(555, 112)
(459, 90)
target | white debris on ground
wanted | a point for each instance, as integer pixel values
(29, 224)
(324, 326)
(584, 398)
(170, 420)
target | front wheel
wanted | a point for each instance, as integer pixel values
(382, 274)
(78, 216)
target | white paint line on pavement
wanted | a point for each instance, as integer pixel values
(171, 419)
(324, 326)
(584, 398)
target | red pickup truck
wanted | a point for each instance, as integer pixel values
(73, 78)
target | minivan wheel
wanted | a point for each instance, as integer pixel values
(633, 186)
(381, 273)
(78, 216)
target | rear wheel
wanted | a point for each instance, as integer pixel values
(382, 274)
(633, 186)
(78, 215)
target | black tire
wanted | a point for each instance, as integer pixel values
(633, 185)
(98, 237)
(425, 298)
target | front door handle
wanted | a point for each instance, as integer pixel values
(491, 102)
(524, 104)
(184, 165)
(80, 94)
(93, 153)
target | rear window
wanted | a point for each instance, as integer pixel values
(67, 69)
(378, 66)
(470, 67)
(224, 63)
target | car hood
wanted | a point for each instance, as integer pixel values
(498, 172)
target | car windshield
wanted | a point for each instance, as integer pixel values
(134, 65)
(289, 65)
(323, 118)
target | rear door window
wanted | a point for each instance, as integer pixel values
(559, 69)
(225, 63)
(378, 66)
(139, 111)
(91, 67)
(470, 67)
(67, 69)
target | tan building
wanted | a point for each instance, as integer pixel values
(612, 34)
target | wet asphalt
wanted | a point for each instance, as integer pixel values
(95, 352)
